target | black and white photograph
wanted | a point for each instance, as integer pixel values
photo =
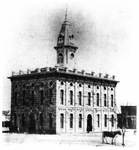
(69, 75)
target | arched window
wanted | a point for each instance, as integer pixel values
(62, 83)
(60, 38)
(72, 56)
(62, 120)
(41, 120)
(71, 120)
(32, 85)
(42, 84)
(80, 120)
(24, 85)
(105, 100)
(62, 96)
(71, 84)
(71, 97)
(23, 120)
(111, 100)
(24, 96)
(15, 120)
(50, 84)
(97, 99)
(60, 58)
(50, 95)
(50, 121)
(16, 86)
(112, 120)
(80, 85)
(105, 120)
(42, 96)
(32, 97)
(98, 120)
(89, 98)
(80, 98)
(15, 98)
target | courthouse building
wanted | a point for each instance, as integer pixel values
(62, 99)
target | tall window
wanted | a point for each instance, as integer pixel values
(111, 100)
(41, 120)
(112, 120)
(105, 100)
(24, 94)
(62, 96)
(23, 120)
(62, 120)
(15, 98)
(42, 84)
(98, 120)
(50, 120)
(15, 120)
(105, 120)
(60, 58)
(71, 97)
(51, 95)
(42, 96)
(32, 97)
(80, 120)
(89, 98)
(71, 120)
(97, 99)
(80, 98)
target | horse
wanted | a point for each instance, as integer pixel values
(111, 134)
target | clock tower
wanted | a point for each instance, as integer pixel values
(65, 46)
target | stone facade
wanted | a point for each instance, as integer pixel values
(61, 99)
(32, 99)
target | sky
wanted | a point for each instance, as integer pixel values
(106, 33)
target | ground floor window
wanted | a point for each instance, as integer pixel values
(62, 120)
(80, 120)
(112, 120)
(23, 120)
(15, 120)
(41, 120)
(50, 120)
(71, 120)
(98, 120)
(105, 120)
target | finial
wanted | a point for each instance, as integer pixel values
(66, 13)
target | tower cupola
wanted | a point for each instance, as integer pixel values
(65, 46)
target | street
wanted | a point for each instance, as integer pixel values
(91, 139)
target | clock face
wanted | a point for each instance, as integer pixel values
(72, 56)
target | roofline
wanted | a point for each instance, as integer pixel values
(55, 71)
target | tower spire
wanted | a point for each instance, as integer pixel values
(65, 45)
(66, 13)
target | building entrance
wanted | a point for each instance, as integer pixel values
(89, 123)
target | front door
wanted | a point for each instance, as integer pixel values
(89, 123)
